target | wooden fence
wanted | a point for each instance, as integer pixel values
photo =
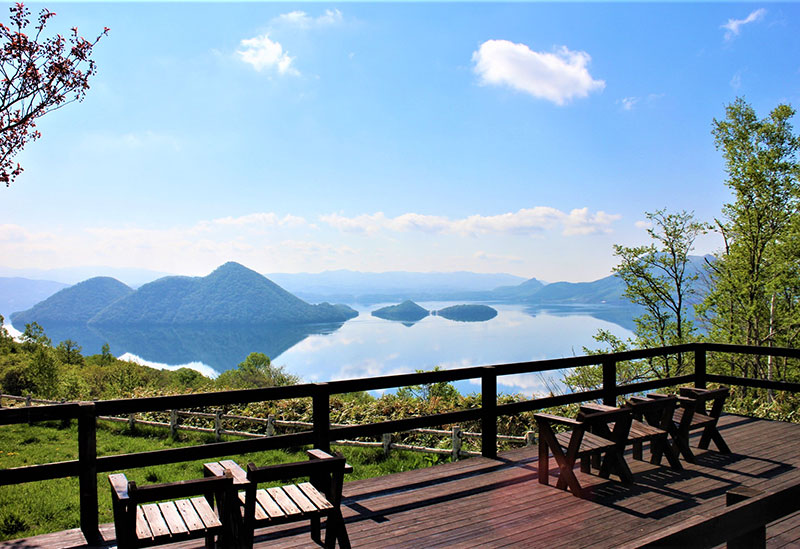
(322, 432)
(454, 436)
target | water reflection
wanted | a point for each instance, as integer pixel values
(220, 347)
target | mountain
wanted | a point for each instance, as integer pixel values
(520, 292)
(407, 311)
(606, 290)
(78, 303)
(18, 294)
(232, 294)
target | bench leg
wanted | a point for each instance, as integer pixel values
(316, 533)
(711, 433)
(544, 463)
(335, 530)
(637, 450)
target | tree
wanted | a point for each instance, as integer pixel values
(441, 390)
(256, 371)
(39, 75)
(34, 336)
(661, 278)
(755, 294)
(69, 352)
(106, 357)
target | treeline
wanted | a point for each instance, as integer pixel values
(34, 366)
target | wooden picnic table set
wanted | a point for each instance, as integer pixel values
(228, 504)
(599, 434)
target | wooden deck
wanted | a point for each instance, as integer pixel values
(499, 503)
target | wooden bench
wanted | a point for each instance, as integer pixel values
(693, 414)
(144, 517)
(259, 508)
(582, 442)
(652, 421)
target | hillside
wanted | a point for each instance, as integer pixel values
(78, 303)
(232, 294)
(607, 290)
(407, 311)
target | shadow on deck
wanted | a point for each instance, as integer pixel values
(499, 503)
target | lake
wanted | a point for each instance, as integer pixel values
(368, 346)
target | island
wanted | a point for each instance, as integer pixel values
(407, 311)
(468, 313)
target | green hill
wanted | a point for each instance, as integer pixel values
(407, 311)
(77, 303)
(232, 294)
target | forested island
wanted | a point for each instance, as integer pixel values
(407, 311)
(468, 313)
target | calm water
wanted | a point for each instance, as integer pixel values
(367, 346)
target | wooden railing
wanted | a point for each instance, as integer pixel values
(89, 464)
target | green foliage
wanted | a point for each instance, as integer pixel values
(69, 352)
(428, 392)
(256, 371)
(661, 278)
(34, 336)
(106, 357)
(43, 372)
(755, 293)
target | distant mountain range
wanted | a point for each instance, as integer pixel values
(234, 293)
(231, 294)
(17, 294)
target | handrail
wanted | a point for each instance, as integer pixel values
(322, 432)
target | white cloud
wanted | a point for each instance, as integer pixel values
(262, 53)
(559, 76)
(304, 21)
(734, 26)
(531, 221)
(261, 219)
(628, 103)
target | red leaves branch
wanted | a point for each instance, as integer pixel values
(37, 75)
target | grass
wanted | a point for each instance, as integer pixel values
(53, 505)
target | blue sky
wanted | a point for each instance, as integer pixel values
(520, 138)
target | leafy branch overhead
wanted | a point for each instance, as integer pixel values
(39, 75)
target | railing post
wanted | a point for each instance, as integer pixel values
(489, 413)
(700, 367)
(609, 382)
(755, 539)
(218, 425)
(173, 424)
(322, 417)
(386, 440)
(270, 425)
(131, 422)
(87, 479)
(530, 438)
(456, 442)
